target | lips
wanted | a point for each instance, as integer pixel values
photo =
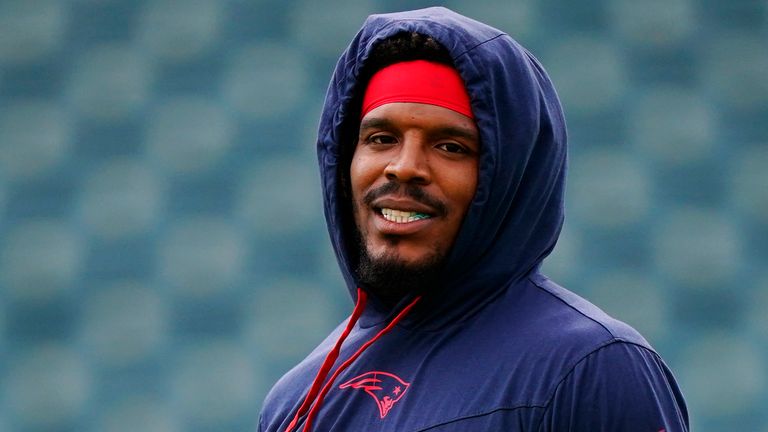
(399, 216)
(397, 208)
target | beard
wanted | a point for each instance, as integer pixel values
(390, 279)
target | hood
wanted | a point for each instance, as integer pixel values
(516, 215)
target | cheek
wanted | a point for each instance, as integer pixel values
(462, 186)
(363, 173)
(355, 178)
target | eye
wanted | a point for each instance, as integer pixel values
(383, 139)
(451, 147)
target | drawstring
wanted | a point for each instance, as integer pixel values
(385, 330)
(330, 359)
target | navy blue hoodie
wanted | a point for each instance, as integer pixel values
(498, 347)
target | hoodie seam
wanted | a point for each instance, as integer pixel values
(480, 44)
(562, 300)
(548, 405)
(440, 25)
(478, 415)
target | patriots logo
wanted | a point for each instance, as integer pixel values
(385, 388)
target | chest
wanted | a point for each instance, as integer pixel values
(449, 381)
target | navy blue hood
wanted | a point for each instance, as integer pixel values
(516, 215)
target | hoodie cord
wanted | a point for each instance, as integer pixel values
(333, 355)
(330, 359)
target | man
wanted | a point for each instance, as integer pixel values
(442, 152)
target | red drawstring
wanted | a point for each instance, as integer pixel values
(334, 354)
(385, 330)
(330, 359)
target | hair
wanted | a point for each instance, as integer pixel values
(402, 47)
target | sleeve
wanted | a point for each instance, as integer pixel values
(619, 387)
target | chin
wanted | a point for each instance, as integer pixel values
(391, 275)
(406, 256)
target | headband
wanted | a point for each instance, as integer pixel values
(419, 81)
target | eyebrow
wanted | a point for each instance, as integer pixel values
(375, 123)
(452, 131)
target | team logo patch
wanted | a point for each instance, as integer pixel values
(385, 388)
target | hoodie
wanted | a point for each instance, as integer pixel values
(498, 346)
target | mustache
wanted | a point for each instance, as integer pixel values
(412, 191)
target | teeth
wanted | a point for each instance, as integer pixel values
(399, 216)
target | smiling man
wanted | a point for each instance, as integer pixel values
(413, 175)
(442, 150)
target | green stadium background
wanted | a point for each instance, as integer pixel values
(163, 253)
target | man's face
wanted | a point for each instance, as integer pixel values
(413, 176)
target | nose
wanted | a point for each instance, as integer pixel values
(410, 164)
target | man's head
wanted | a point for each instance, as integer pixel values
(414, 168)
(511, 212)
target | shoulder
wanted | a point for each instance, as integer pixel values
(580, 318)
(538, 333)
(614, 379)
(541, 326)
(552, 322)
(621, 386)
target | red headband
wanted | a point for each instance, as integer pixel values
(417, 81)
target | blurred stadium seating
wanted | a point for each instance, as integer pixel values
(164, 257)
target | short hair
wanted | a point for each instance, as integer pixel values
(404, 46)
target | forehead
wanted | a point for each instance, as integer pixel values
(410, 114)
